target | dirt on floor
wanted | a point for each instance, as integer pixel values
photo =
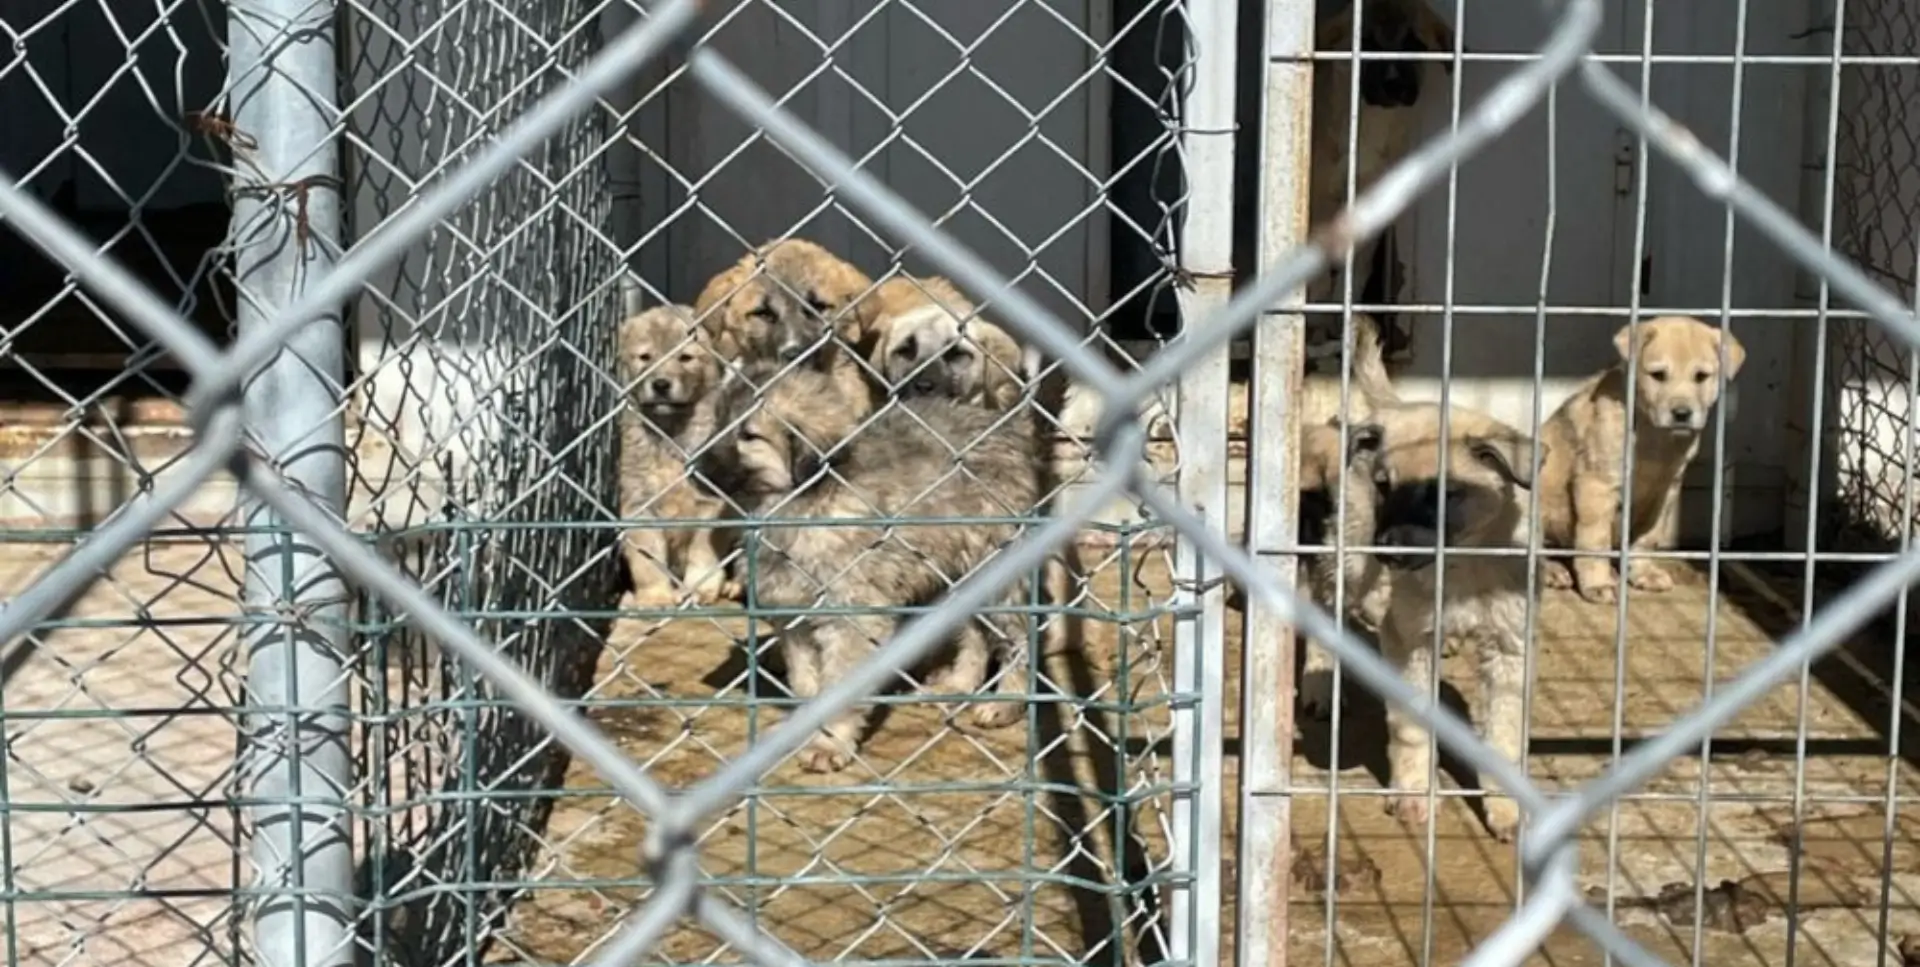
(944, 845)
(1045, 841)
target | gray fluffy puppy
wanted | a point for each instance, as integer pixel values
(798, 448)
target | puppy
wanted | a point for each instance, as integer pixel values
(668, 367)
(1322, 483)
(1488, 465)
(783, 302)
(926, 339)
(1392, 93)
(795, 453)
(1676, 384)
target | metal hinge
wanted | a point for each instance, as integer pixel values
(1624, 152)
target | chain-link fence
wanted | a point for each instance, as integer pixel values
(1877, 182)
(394, 707)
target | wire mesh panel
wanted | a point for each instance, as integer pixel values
(1597, 288)
(1877, 182)
(754, 782)
(492, 394)
(117, 838)
(480, 398)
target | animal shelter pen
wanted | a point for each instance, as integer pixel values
(388, 709)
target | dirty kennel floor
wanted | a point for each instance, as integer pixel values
(120, 756)
(931, 848)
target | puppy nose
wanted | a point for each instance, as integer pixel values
(1683, 413)
(924, 385)
(662, 386)
(789, 353)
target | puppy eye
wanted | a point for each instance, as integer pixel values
(959, 356)
(1702, 376)
(1659, 375)
(818, 305)
(748, 436)
(644, 358)
(686, 357)
(905, 351)
(762, 312)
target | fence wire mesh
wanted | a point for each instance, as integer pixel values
(1877, 162)
(528, 762)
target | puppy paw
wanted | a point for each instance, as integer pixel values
(716, 592)
(1556, 575)
(1651, 577)
(996, 715)
(1599, 592)
(1410, 809)
(649, 597)
(1503, 817)
(824, 755)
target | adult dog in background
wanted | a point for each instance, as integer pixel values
(668, 367)
(1676, 383)
(1488, 468)
(795, 453)
(1392, 94)
(787, 300)
(926, 339)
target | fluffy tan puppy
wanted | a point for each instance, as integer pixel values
(668, 366)
(782, 302)
(1392, 93)
(1488, 466)
(1676, 383)
(795, 453)
(926, 339)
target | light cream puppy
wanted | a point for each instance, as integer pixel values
(1676, 383)
(926, 339)
(667, 365)
(1488, 467)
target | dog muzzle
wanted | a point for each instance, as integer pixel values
(1420, 538)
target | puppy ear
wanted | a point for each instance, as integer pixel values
(1623, 340)
(1363, 439)
(722, 287)
(1736, 353)
(876, 334)
(1032, 363)
(1508, 454)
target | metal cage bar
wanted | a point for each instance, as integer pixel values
(282, 381)
(286, 233)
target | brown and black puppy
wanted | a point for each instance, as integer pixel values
(1488, 469)
(1323, 481)
(667, 365)
(801, 449)
(1676, 383)
(787, 301)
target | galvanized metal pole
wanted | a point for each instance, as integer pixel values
(1206, 252)
(286, 234)
(1267, 655)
